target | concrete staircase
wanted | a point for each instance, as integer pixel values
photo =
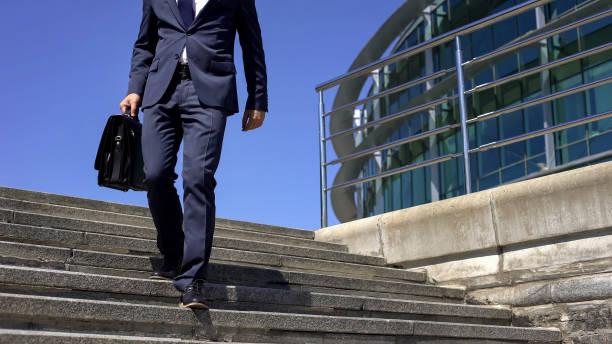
(75, 271)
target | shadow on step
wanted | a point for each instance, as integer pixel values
(241, 275)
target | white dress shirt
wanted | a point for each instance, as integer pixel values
(199, 5)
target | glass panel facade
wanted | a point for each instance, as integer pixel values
(496, 166)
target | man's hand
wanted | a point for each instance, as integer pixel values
(131, 102)
(252, 119)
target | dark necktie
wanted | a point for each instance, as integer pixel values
(187, 11)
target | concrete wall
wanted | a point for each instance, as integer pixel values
(558, 219)
(543, 247)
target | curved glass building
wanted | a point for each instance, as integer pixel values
(417, 111)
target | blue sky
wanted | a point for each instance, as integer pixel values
(64, 70)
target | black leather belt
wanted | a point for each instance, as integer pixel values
(183, 70)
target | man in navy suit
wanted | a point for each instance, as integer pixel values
(183, 78)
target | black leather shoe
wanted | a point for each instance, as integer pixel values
(192, 296)
(167, 271)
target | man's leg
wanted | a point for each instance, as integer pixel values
(162, 133)
(203, 129)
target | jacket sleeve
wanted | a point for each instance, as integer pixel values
(144, 50)
(253, 56)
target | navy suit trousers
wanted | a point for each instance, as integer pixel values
(179, 116)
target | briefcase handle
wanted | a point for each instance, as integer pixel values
(127, 114)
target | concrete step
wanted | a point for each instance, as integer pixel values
(68, 201)
(106, 317)
(52, 337)
(48, 337)
(135, 234)
(122, 213)
(278, 239)
(224, 250)
(61, 217)
(285, 278)
(219, 296)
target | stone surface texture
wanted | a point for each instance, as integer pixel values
(542, 246)
(76, 271)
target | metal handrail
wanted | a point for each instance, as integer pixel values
(540, 132)
(461, 96)
(396, 171)
(444, 38)
(396, 143)
(392, 117)
(569, 166)
(540, 100)
(478, 88)
(481, 58)
(539, 37)
(390, 91)
(540, 68)
(505, 110)
(558, 127)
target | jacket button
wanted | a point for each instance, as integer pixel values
(176, 56)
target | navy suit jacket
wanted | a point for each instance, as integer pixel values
(210, 50)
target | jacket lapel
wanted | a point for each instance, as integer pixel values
(174, 9)
(209, 5)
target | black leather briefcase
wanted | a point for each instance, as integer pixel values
(119, 159)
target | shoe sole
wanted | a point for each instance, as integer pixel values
(193, 305)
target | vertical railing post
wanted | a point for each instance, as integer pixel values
(434, 170)
(323, 160)
(463, 111)
(547, 111)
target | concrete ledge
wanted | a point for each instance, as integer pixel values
(567, 290)
(457, 225)
(558, 258)
(361, 236)
(438, 229)
(562, 205)
(579, 322)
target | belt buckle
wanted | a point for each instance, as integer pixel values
(184, 70)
